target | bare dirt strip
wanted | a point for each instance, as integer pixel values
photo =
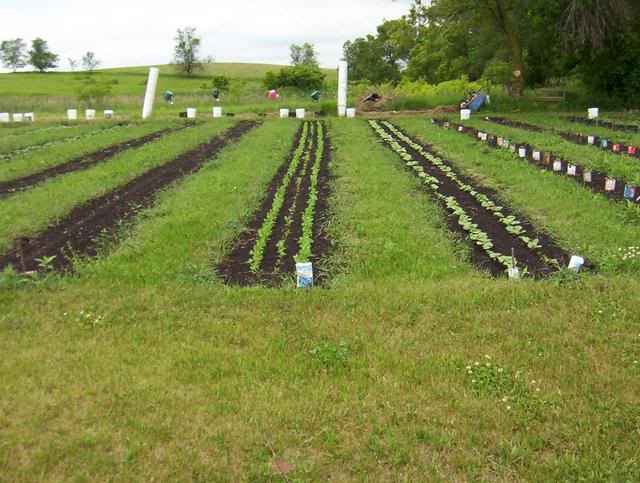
(79, 234)
(85, 161)
(539, 262)
(278, 261)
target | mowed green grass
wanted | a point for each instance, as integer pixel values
(144, 366)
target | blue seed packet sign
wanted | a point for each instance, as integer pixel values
(629, 192)
(604, 143)
(304, 275)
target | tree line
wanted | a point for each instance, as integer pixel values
(518, 43)
(14, 55)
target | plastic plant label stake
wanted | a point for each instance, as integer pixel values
(629, 192)
(284, 113)
(300, 113)
(500, 141)
(610, 185)
(571, 170)
(591, 140)
(631, 150)
(557, 166)
(460, 129)
(604, 143)
(217, 111)
(90, 114)
(586, 176)
(537, 155)
(593, 112)
(522, 152)
(576, 263)
(304, 275)
(72, 114)
(447, 124)
(616, 148)
(512, 148)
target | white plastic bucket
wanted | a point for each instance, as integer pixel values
(351, 112)
(576, 263)
(191, 112)
(304, 275)
(4, 117)
(108, 114)
(217, 111)
(465, 114)
(17, 117)
(284, 113)
(29, 116)
(90, 114)
(72, 114)
(593, 112)
(300, 113)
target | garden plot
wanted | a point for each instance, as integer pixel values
(80, 233)
(497, 232)
(288, 227)
(596, 180)
(633, 128)
(603, 143)
(82, 162)
(27, 143)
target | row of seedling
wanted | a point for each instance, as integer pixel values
(597, 181)
(495, 230)
(284, 236)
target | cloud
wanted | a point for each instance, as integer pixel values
(127, 33)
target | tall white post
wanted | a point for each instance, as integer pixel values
(342, 87)
(150, 95)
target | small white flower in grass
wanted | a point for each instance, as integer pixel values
(468, 368)
(537, 389)
(505, 399)
(473, 381)
(500, 369)
(508, 408)
(470, 371)
(487, 356)
(476, 364)
(488, 364)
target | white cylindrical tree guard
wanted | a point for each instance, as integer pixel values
(342, 87)
(150, 95)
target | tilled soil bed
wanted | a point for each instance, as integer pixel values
(293, 185)
(79, 233)
(476, 212)
(85, 161)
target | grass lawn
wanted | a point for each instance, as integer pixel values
(409, 364)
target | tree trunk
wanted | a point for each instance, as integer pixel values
(517, 61)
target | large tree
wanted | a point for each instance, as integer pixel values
(41, 57)
(186, 51)
(13, 53)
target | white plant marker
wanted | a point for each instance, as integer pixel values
(593, 112)
(557, 166)
(217, 111)
(72, 114)
(351, 112)
(576, 263)
(17, 117)
(108, 114)
(591, 140)
(90, 114)
(586, 176)
(29, 116)
(300, 113)
(343, 84)
(460, 128)
(572, 169)
(537, 156)
(610, 185)
(4, 117)
(465, 114)
(514, 272)
(152, 85)
(284, 113)
(522, 152)
(191, 112)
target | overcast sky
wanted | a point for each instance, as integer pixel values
(135, 32)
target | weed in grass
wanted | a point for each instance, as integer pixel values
(331, 355)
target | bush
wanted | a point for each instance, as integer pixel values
(301, 76)
(221, 82)
(93, 89)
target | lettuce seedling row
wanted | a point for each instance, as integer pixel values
(476, 212)
(597, 181)
(79, 233)
(581, 139)
(289, 225)
(82, 162)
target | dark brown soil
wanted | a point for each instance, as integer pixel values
(537, 261)
(275, 268)
(598, 178)
(82, 162)
(79, 233)
(605, 124)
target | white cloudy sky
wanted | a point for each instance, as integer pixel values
(140, 32)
